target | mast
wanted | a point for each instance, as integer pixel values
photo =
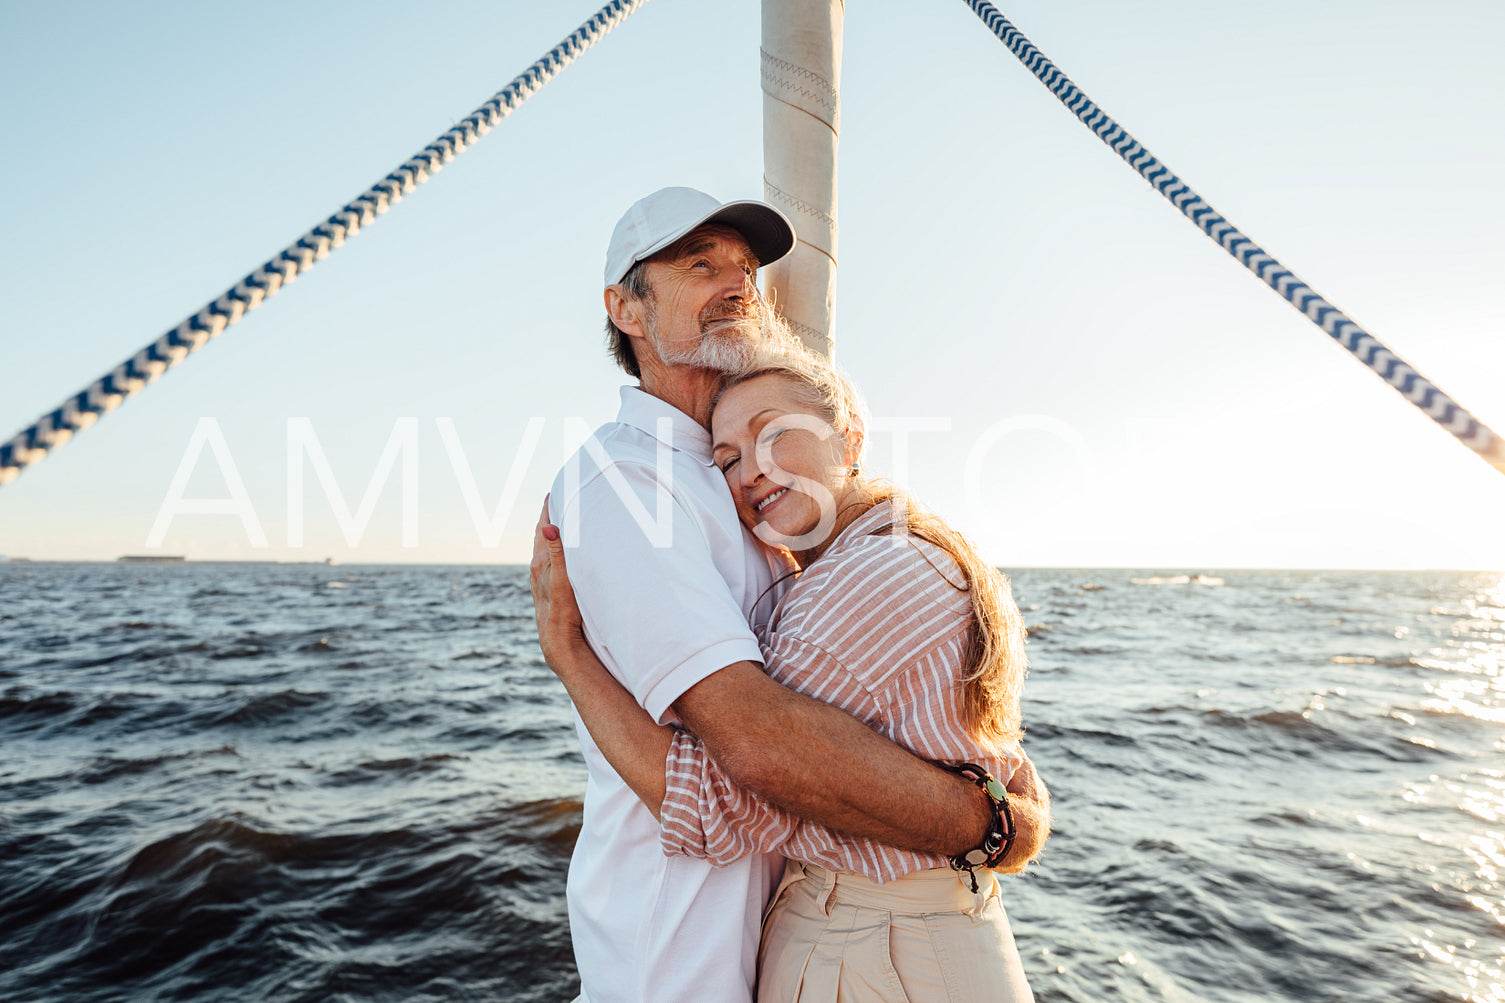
(801, 58)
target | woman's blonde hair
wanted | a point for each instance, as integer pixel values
(995, 663)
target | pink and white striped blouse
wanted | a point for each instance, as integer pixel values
(877, 628)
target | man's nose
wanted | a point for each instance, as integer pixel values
(740, 285)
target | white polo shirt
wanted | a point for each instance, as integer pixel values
(667, 580)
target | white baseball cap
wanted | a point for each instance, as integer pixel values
(658, 220)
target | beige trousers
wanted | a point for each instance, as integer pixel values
(925, 938)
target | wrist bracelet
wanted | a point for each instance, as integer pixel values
(999, 839)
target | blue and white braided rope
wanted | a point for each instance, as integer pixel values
(1386, 364)
(127, 379)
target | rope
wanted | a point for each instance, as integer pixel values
(1365, 347)
(131, 376)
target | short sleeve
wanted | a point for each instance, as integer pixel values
(661, 616)
(878, 610)
(706, 815)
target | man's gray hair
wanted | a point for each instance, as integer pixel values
(634, 287)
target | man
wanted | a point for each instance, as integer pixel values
(667, 581)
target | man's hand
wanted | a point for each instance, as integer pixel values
(1029, 803)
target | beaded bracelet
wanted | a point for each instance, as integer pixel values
(1001, 832)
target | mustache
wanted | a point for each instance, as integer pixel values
(748, 312)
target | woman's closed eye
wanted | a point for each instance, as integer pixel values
(728, 462)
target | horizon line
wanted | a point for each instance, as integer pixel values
(173, 560)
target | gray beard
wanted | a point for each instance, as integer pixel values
(729, 350)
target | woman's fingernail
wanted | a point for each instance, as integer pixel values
(551, 533)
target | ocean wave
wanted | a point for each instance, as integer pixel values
(231, 901)
(1452, 708)
(18, 703)
(385, 770)
(1303, 734)
(263, 708)
(1045, 731)
(1389, 662)
(107, 769)
(1281, 819)
(1211, 654)
(85, 712)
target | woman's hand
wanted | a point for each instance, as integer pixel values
(560, 628)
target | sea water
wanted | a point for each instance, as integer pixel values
(301, 783)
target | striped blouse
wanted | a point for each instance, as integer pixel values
(877, 628)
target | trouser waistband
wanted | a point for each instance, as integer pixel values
(938, 890)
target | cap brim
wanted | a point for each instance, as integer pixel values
(767, 231)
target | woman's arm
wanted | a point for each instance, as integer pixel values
(632, 742)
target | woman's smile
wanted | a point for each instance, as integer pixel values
(770, 500)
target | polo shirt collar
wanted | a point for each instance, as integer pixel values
(642, 411)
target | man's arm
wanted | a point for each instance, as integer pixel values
(822, 764)
(636, 747)
(807, 757)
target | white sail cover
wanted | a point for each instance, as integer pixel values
(801, 118)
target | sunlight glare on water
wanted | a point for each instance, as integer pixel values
(1473, 689)
(1476, 656)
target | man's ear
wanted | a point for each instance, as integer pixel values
(625, 313)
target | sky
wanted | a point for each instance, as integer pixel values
(1093, 383)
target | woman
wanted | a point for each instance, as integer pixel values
(896, 619)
